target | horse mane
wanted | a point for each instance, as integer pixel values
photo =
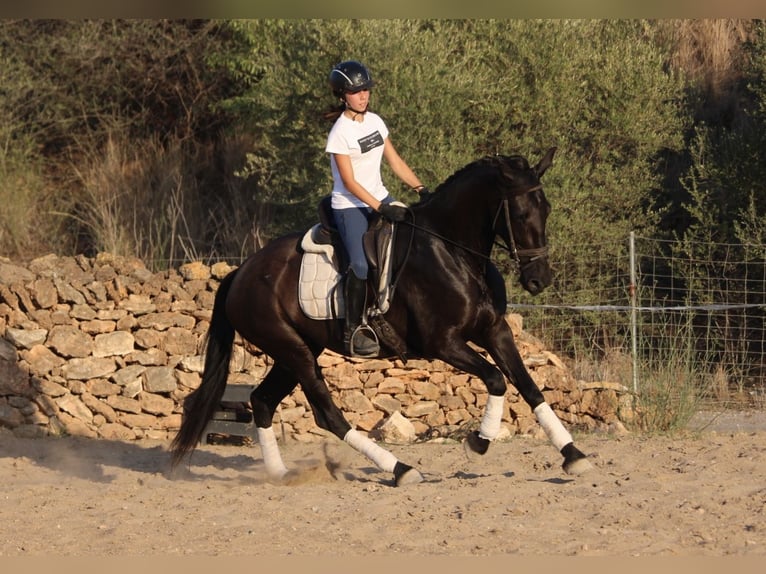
(499, 162)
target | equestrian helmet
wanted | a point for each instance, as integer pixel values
(350, 76)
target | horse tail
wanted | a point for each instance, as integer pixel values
(202, 403)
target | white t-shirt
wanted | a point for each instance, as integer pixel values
(363, 143)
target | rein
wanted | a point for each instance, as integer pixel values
(534, 253)
(445, 239)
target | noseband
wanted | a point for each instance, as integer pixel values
(532, 254)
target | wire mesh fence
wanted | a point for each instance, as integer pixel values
(686, 316)
(680, 316)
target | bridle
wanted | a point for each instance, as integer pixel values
(533, 253)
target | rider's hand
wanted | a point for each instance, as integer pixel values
(393, 212)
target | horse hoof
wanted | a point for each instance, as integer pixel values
(404, 474)
(281, 476)
(578, 467)
(474, 444)
(412, 476)
(575, 462)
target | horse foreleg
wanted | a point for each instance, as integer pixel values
(478, 441)
(463, 357)
(509, 360)
(575, 462)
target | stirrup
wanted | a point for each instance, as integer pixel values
(369, 349)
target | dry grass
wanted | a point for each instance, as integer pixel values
(709, 47)
(671, 386)
(140, 199)
(709, 53)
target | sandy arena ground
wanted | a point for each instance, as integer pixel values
(703, 494)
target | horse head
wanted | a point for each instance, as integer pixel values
(521, 218)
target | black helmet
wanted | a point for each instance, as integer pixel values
(350, 76)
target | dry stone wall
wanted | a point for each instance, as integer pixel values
(105, 348)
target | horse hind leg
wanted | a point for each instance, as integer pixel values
(385, 460)
(329, 417)
(277, 384)
(272, 459)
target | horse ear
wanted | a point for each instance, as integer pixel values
(545, 163)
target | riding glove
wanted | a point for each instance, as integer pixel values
(393, 212)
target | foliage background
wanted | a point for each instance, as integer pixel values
(184, 139)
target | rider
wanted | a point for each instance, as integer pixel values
(357, 142)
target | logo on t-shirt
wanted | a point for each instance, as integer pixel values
(371, 141)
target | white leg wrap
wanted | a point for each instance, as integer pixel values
(552, 426)
(493, 413)
(383, 459)
(275, 468)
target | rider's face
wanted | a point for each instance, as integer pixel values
(358, 100)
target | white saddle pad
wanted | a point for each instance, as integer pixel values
(320, 289)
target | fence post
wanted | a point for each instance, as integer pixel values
(633, 311)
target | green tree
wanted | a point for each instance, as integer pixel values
(84, 93)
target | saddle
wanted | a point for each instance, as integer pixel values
(376, 241)
(323, 264)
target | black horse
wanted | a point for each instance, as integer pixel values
(448, 295)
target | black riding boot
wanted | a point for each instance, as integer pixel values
(358, 341)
